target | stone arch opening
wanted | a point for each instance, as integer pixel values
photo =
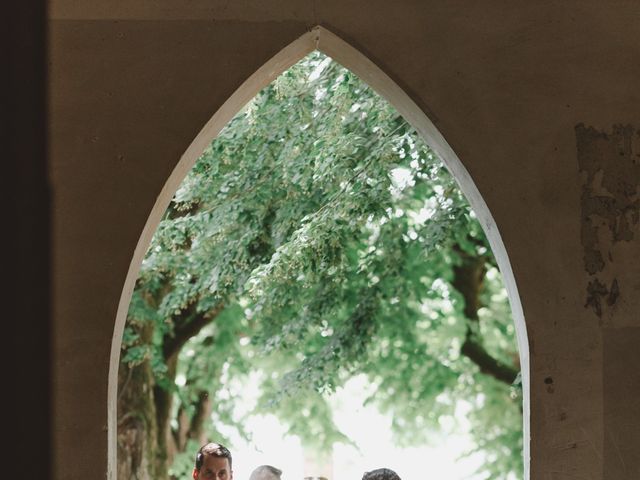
(321, 39)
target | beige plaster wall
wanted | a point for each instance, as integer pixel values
(506, 83)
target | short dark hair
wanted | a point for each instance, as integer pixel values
(215, 450)
(381, 474)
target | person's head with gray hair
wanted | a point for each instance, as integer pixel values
(381, 474)
(266, 472)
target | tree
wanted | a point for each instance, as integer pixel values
(317, 238)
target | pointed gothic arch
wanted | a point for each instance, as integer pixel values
(323, 40)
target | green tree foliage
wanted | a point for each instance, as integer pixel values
(318, 238)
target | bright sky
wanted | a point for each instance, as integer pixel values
(371, 433)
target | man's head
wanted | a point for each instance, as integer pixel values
(381, 474)
(213, 462)
(266, 472)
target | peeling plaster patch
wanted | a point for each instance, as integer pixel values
(610, 204)
(596, 292)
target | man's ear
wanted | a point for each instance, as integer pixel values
(231, 475)
(195, 474)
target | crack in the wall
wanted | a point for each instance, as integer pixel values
(610, 203)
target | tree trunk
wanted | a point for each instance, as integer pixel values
(146, 443)
(191, 428)
(137, 429)
(163, 402)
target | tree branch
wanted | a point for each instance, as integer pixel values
(194, 322)
(468, 280)
(488, 365)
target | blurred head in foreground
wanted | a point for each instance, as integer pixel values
(381, 474)
(266, 472)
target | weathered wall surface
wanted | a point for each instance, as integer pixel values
(538, 99)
